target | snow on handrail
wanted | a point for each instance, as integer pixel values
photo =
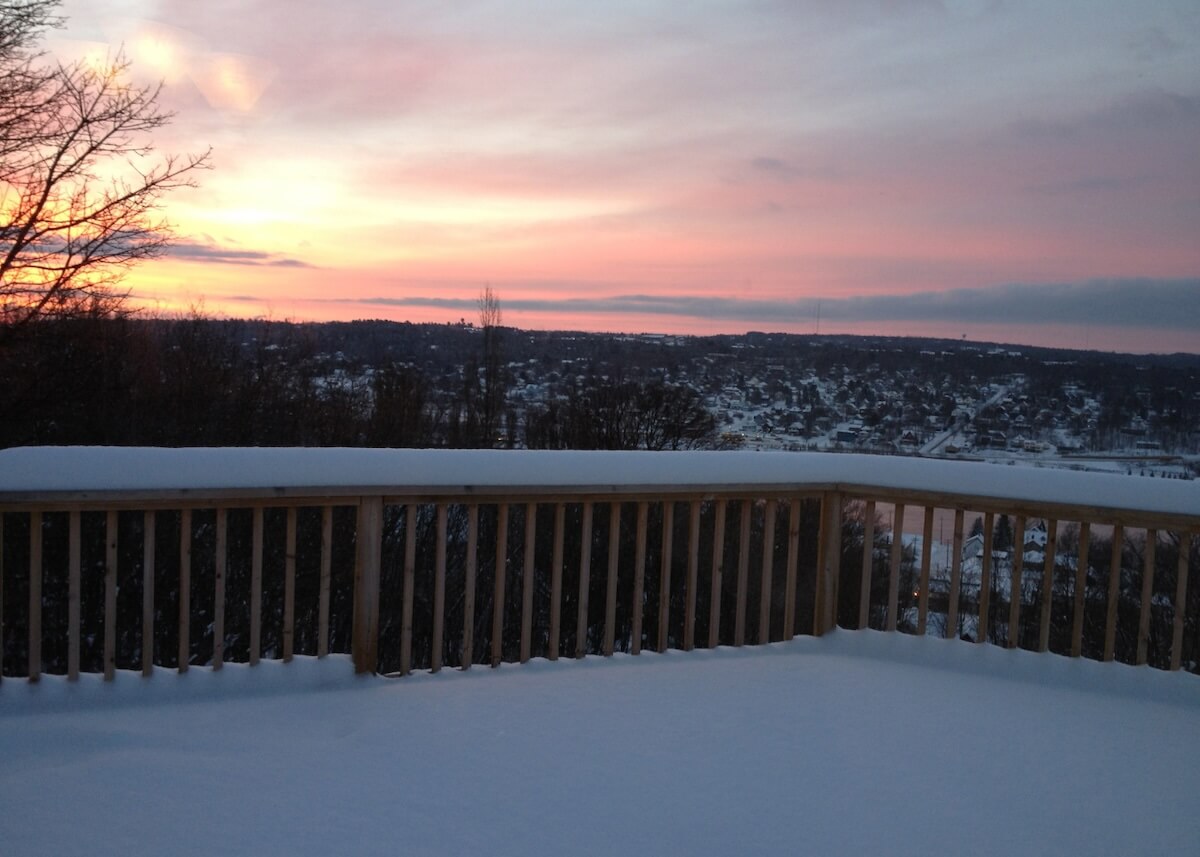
(96, 474)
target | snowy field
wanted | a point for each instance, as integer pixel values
(855, 743)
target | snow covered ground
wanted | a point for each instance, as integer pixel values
(855, 743)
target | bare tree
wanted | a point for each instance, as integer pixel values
(494, 386)
(80, 183)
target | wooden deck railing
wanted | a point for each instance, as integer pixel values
(434, 572)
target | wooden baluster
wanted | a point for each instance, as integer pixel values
(110, 594)
(439, 592)
(256, 571)
(639, 578)
(955, 576)
(368, 561)
(1081, 575)
(926, 559)
(556, 563)
(498, 596)
(35, 596)
(74, 561)
(149, 520)
(743, 578)
(410, 582)
(1143, 641)
(793, 560)
(1181, 582)
(1048, 584)
(985, 577)
(1114, 593)
(1015, 583)
(221, 567)
(718, 561)
(527, 581)
(468, 644)
(767, 576)
(664, 582)
(610, 601)
(894, 572)
(326, 579)
(693, 576)
(289, 586)
(585, 580)
(868, 565)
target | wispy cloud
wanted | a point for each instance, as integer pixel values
(1160, 304)
(214, 254)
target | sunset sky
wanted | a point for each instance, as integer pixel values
(1018, 170)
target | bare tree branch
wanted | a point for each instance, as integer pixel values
(80, 183)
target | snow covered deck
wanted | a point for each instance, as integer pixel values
(852, 743)
(177, 562)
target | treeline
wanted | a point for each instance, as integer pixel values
(197, 381)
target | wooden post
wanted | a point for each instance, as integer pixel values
(289, 586)
(767, 576)
(829, 563)
(1114, 593)
(498, 596)
(410, 582)
(556, 564)
(468, 644)
(868, 565)
(585, 580)
(148, 538)
(1181, 582)
(256, 572)
(368, 538)
(439, 592)
(743, 578)
(718, 562)
(664, 582)
(1143, 641)
(1048, 584)
(185, 589)
(110, 594)
(639, 579)
(527, 581)
(793, 560)
(1, 597)
(610, 601)
(326, 577)
(926, 558)
(1015, 583)
(985, 578)
(955, 576)
(894, 572)
(1081, 576)
(35, 596)
(73, 565)
(221, 566)
(693, 576)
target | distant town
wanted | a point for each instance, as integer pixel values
(203, 381)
